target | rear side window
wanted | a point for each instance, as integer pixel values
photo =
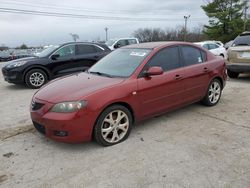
(167, 59)
(83, 49)
(191, 55)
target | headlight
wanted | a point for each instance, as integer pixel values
(67, 107)
(17, 64)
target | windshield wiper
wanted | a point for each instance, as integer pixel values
(100, 74)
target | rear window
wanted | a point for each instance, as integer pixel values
(242, 41)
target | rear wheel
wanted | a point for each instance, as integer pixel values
(36, 78)
(113, 126)
(213, 94)
(232, 74)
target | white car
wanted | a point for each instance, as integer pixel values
(117, 43)
(215, 48)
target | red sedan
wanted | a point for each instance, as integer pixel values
(131, 84)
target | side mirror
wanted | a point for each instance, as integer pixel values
(153, 71)
(117, 45)
(55, 56)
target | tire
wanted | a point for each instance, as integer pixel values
(232, 74)
(213, 93)
(222, 55)
(108, 131)
(36, 78)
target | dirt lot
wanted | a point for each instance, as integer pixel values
(193, 147)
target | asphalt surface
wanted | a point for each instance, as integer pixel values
(196, 146)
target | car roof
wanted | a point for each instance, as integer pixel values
(81, 43)
(103, 45)
(123, 38)
(153, 45)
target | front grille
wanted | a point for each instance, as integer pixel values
(40, 128)
(36, 105)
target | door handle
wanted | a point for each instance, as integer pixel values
(96, 56)
(178, 77)
(205, 69)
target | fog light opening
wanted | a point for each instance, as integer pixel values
(61, 133)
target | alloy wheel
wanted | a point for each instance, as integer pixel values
(37, 79)
(115, 126)
(214, 92)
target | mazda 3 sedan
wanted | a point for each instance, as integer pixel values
(131, 84)
(53, 62)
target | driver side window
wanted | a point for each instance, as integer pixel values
(66, 51)
(122, 43)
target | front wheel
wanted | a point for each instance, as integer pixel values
(213, 93)
(36, 78)
(113, 125)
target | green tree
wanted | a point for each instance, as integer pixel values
(225, 19)
(23, 46)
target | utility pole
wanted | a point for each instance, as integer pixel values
(245, 17)
(106, 30)
(185, 28)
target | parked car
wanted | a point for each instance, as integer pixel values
(239, 56)
(216, 49)
(4, 56)
(117, 43)
(53, 62)
(130, 84)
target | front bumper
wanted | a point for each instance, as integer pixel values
(76, 127)
(12, 75)
(239, 67)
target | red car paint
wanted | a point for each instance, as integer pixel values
(146, 96)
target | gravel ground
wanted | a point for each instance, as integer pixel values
(193, 147)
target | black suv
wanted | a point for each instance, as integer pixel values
(53, 62)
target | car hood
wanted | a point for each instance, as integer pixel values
(74, 87)
(27, 59)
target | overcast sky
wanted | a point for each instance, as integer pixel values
(16, 29)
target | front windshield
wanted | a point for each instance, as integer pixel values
(110, 42)
(242, 41)
(120, 63)
(46, 51)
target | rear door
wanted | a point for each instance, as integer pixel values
(196, 72)
(162, 92)
(87, 55)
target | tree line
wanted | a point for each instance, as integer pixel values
(170, 34)
(227, 19)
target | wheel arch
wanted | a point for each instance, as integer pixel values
(220, 80)
(37, 67)
(125, 104)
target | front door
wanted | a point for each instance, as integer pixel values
(163, 92)
(65, 62)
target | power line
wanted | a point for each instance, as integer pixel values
(54, 6)
(68, 15)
